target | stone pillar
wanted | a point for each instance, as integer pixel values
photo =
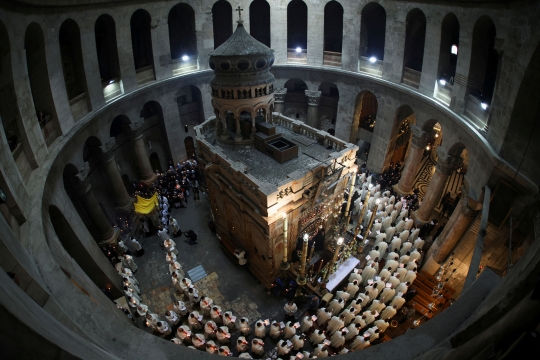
(445, 167)
(123, 202)
(412, 162)
(253, 128)
(238, 136)
(139, 148)
(107, 234)
(499, 46)
(455, 228)
(279, 100)
(431, 56)
(313, 99)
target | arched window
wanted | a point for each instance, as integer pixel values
(373, 31)
(107, 53)
(415, 38)
(222, 22)
(141, 39)
(297, 13)
(484, 61)
(333, 33)
(259, 18)
(182, 36)
(448, 52)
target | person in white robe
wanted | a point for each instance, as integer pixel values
(405, 247)
(323, 315)
(415, 255)
(211, 347)
(382, 325)
(127, 261)
(387, 294)
(403, 287)
(360, 343)
(163, 235)
(392, 263)
(402, 272)
(386, 223)
(176, 281)
(388, 313)
(180, 307)
(257, 346)
(142, 309)
(130, 293)
(336, 305)
(418, 244)
(343, 295)
(368, 274)
(173, 226)
(374, 253)
(390, 233)
(356, 275)
(126, 271)
(186, 284)
(411, 276)
(400, 225)
(317, 337)
(305, 325)
(184, 333)
(397, 302)
(404, 259)
(354, 330)
(121, 248)
(244, 327)
(163, 327)
(229, 320)
(170, 258)
(352, 288)
(260, 329)
(176, 341)
(210, 329)
(395, 243)
(380, 238)
(388, 209)
(408, 224)
(364, 297)
(298, 342)
(129, 282)
(361, 320)
(386, 273)
(223, 336)
(172, 317)
(175, 267)
(206, 305)
(321, 351)
(198, 341)
(338, 339)
(289, 330)
(290, 309)
(193, 295)
(370, 317)
(244, 355)
(170, 246)
(375, 228)
(283, 348)
(404, 235)
(348, 315)
(373, 333)
(376, 306)
(136, 245)
(335, 324)
(356, 305)
(151, 320)
(242, 345)
(275, 330)
(216, 314)
(414, 234)
(372, 291)
(394, 280)
(195, 320)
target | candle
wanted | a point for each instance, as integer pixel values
(320, 266)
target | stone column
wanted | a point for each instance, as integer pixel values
(279, 100)
(313, 99)
(455, 228)
(412, 162)
(445, 167)
(499, 46)
(123, 202)
(253, 128)
(139, 148)
(238, 136)
(107, 234)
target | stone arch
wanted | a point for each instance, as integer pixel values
(259, 16)
(154, 128)
(78, 252)
(415, 38)
(38, 75)
(295, 99)
(401, 133)
(91, 148)
(484, 60)
(328, 106)
(365, 116)
(107, 54)
(190, 105)
(372, 31)
(182, 33)
(119, 125)
(155, 162)
(189, 146)
(222, 22)
(297, 25)
(460, 150)
(141, 40)
(333, 27)
(73, 66)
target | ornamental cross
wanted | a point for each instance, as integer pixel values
(239, 12)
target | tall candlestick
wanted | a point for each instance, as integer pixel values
(301, 279)
(334, 259)
(285, 264)
(366, 234)
(347, 212)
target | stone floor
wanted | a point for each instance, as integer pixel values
(230, 285)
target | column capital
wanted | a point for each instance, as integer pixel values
(136, 127)
(107, 149)
(313, 97)
(418, 136)
(83, 184)
(279, 95)
(447, 163)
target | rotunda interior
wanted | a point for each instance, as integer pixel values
(269, 179)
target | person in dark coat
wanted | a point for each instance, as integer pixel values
(319, 240)
(192, 235)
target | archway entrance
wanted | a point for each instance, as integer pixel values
(190, 147)
(154, 161)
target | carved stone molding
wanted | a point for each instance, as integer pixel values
(418, 136)
(107, 149)
(279, 95)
